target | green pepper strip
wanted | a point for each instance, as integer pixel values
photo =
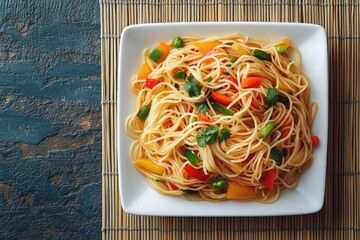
(191, 157)
(221, 108)
(267, 129)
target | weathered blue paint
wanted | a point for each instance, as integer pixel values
(50, 120)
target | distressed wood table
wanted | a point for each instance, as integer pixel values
(50, 120)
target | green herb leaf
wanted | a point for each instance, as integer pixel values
(202, 107)
(277, 155)
(180, 75)
(272, 96)
(284, 100)
(189, 191)
(191, 87)
(208, 136)
(224, 134)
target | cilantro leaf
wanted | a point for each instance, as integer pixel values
(201, 140)
(272, 96)
(208, 136)
(202, 107)
(224, 134)
(191, 87)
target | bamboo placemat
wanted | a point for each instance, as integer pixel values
(340, 216)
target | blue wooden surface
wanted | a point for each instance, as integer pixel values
(50, 119)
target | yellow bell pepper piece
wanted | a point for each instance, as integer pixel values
(165, 49)
(240, 50)
(148, 165)
(144, 71)
(238, 167)
(237, 191)
(206, 46)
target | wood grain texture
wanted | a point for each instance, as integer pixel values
(50, 120)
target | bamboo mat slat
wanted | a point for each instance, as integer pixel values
(340, 216)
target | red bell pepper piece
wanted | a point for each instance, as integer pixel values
(285, 132)
(270, 178)
(251, 82)
(196, 173)
(254, 104)
(150, 83)
(315, 140)
(203, 117)
(220, 98)
(173, 186)
(234, 80)
(248, 159)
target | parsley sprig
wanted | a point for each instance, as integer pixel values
(212, 134)
(191, 87)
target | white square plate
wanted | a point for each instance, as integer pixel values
(137, 197)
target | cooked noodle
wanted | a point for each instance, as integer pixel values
(172, 126)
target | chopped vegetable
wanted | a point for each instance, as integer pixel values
(240, 50)
(254, 104)
(281, 49)
(150, 83)
(196, 173)
(220, 98)
(272, 96)
(251, 82)
(148, 165)
(202, 107)
(180, 75)
(203, 117)
(232, 59)
(165, 49)
(155, 55)
(238, 191)
(276, 155)
(208, 136)
(144, 71)
(219, 183)
(189, 191)
(159, 53)
(249, 158)
(224, 134)
(191, 157)
(285, 132)
(286, 43)
(270, 177)
(143, 112)
(221, 108)
(267, 130)
(284, 100)
(177, 42)
(173, 186)
(191, 87)
(206, 46)
(315, 140)
(260, 54)
(234, 80)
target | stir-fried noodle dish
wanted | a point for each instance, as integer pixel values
(225, 117)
